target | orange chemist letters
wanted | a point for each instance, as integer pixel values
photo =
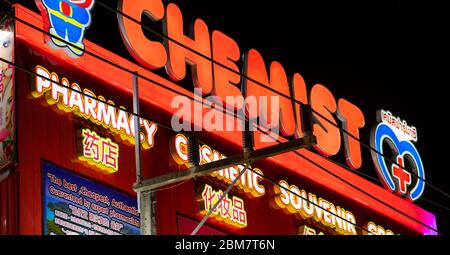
(179, 55)
(148, 53)
(216, 79)
(226, 52)
(352, 120)
(255, 68)
(299, 93)
(327, 134)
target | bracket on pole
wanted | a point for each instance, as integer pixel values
(145, 187)
(239, 159)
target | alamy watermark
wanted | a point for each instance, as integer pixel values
(214, 114)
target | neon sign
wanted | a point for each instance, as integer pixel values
(375, 229)
(323, 101)
(230, 210)
(223, 49)
(306, 207)
(96, 111)
(400, 127)
(66, 21)
(398, 136)
(98, 151)
(250, 182)
(308, 231)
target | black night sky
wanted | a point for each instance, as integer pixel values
(377, 56)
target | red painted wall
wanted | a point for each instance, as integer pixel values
(9, 195)
(46, 133)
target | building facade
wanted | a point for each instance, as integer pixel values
(69, 144)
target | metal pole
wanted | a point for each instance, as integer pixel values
(153, 226)
(145, 212)
(235, 160)
(145, 199)
(205, 218)
(137, 132)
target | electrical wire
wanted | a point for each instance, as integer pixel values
(299, 196)
(359, 189)
(116, 11)
(219, 201)
(248, 167)
(248, 78)
(306, 200)
(244, 76)
(376, 180)
(216, 107)
(124, 70)
(68, 87)
(23, 69)
(170, 187)
(166, 188)
(168, 127)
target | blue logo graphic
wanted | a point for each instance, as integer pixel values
(395, 177)
(66, 21)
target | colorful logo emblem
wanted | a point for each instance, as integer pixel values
(66, 21)
(394, 134)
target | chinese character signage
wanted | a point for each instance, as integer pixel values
(98, 151)
(7, 125)
(77, 206)
(231, 210)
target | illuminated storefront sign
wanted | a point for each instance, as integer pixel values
(230, 210)
(375, 229)
(98, 151)
(223, 49)
(117, 120)
(66, 21)
(308, 231)
(77, 206)
(156, 54)
(398, 136)
(249, 182)
(400, 127)
(310, 206)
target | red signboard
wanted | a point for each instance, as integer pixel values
(362, 202)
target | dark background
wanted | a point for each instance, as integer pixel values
(378, 56)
